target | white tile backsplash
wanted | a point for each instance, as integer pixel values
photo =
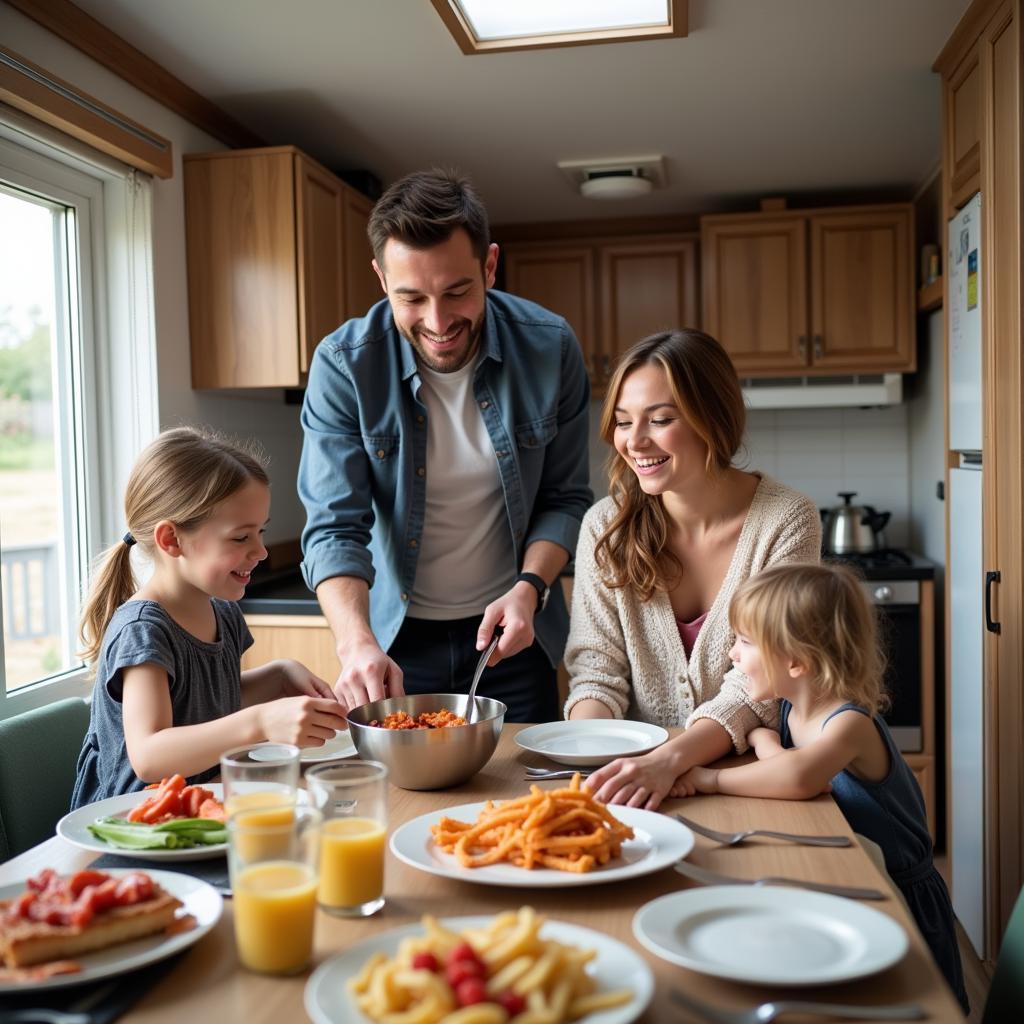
(820, 452)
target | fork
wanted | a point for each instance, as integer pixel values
(707, 877)
(555, 773)
(733, 838)
(767, 1012)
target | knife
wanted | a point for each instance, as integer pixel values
(708, 877)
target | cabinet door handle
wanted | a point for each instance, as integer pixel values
(801, 346)
(819, 348)
(990, 578)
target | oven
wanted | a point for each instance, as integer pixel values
(894, 583)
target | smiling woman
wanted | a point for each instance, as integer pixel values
(659, 559)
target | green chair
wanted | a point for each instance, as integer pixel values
(1005, 1003)
(38, 756)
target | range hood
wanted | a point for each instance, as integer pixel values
(857, 389)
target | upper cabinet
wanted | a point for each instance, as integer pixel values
(811, 292)
(613, 292)
(277, 259)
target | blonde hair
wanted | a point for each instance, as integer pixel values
(182, 476)
(632, 551)
(818, 616)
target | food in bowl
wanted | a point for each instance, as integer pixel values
(443, 719)
(427, 758)
(506, 970)
(566, 829)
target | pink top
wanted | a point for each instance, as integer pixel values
(688, 632)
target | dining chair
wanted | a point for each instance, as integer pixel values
(38, 757)
(1005, 1002)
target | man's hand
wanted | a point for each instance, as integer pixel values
(514, 612)
(367, 674)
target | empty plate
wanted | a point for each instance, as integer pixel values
(590, 742)
(770, 936)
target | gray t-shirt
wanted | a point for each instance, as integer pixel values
(205, 681)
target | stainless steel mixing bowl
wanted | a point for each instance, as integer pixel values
(428, 758)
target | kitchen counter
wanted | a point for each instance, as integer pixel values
(279, 593)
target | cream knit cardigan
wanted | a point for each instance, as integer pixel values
(627, 653)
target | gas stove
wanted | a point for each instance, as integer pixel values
(886, 564)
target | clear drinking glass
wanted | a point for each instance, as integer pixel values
(261, 777)
(274, 872)
(353, 798)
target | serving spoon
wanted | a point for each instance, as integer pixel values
(480, 666)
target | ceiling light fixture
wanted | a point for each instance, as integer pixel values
(620, 178)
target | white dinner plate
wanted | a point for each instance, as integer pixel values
(591, 742)
(200, 900)
(769, 936)
(328, 1001)
(660, 841)
(333, 750)
(74, 827)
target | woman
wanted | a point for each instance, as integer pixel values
(659, 559)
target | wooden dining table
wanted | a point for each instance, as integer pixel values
(209, 985)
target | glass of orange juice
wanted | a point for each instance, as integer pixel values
(353, 798)
(274, 870)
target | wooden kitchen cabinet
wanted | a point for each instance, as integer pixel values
(362, 286)
(811, 292)
(306, 638)
(272, 267)
(613, 291)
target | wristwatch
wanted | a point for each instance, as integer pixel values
(543, 590)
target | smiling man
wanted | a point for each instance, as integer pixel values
(444, 469)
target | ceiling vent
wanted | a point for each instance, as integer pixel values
(619, 178)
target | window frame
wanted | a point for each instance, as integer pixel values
(116, 341)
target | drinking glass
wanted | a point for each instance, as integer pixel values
(353, 798)
(261, 778)
(274, 871)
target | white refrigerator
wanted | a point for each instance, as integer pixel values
(967, 575)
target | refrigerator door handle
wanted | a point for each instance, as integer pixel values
(990, 578)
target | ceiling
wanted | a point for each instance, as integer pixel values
(763, 97)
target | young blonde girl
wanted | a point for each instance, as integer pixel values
(806, 634)
(169, 695)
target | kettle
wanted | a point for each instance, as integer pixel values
(852, 529)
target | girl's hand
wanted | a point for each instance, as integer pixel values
(297, 680)
(765, 742)
(696, 780)
(634, 781)
(304, 721)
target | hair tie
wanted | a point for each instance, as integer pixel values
(128, 539)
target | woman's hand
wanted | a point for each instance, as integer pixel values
(635, 781)
(306, 721)
(298, 681)
(765, 742)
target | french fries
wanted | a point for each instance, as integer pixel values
(564, 829)
(525, 979)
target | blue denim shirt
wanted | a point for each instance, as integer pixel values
(362, 476)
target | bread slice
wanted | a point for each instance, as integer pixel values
(23, 943)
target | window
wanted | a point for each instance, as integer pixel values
(75, 329)
(488, 26)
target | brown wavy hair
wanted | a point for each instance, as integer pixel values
(633, 552)
(182, 476)
(818, 616)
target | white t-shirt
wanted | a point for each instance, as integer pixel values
(467, 558)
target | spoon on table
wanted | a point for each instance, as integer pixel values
(480, 666)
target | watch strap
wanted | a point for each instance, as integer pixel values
(538, 584)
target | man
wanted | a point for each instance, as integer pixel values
(444, 469)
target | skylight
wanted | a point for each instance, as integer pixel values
(489, 25)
